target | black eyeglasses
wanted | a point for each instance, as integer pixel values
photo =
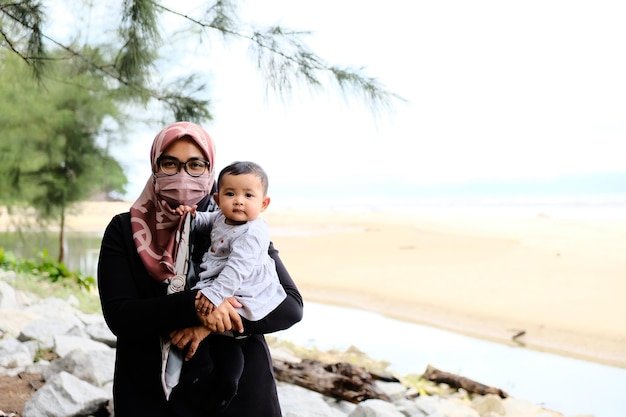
(171, 166)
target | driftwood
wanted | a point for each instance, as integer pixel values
(354, 383)
(339, 380)
(456, 381)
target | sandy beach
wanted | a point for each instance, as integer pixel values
(483, 274)
(555, 281)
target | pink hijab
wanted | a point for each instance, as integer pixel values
(153, 222)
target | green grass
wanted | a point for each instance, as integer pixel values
(89, 302)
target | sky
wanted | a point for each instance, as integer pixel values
(494, 90)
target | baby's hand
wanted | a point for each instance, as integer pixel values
(182, 209)
(203, 305)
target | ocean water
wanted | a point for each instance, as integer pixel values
(601, 195)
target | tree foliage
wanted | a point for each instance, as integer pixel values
(280, 54)
(50, 135)
(49, 140)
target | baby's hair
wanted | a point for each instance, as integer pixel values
(245, 167)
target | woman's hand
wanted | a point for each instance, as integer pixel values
(224, 317)
(191, 336)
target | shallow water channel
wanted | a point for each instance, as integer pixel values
(569, 386)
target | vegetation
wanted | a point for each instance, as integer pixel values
(46, 268)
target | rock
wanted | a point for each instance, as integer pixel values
(409, 408)
(13, 320)
(95, 367)
(300, 402)
(284, 354)
(64, 344)
(448, 407)
(14, 354)
(63, 311)
(64, 395)
(43, 331)
(101, 333)
(7, 296)
(489, 405)
(394, 390)
(376, 408)
(344, 407)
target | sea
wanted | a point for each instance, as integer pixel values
(604, 193)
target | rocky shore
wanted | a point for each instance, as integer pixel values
(58, 361)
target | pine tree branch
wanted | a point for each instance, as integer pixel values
(183, 107)
(139, 29)
(28, 14)
(284, 59)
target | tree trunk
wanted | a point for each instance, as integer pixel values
(62, 236)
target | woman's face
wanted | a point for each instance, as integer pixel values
(180, 187)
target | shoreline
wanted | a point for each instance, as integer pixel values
(486, 274)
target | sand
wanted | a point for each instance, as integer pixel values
(491, 274)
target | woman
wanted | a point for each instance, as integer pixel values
(138, 260)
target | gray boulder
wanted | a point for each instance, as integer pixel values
(64, 395)
(95, 367)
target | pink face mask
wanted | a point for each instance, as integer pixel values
(181, 189)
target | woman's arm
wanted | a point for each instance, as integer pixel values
(288, 313)
(132, 302)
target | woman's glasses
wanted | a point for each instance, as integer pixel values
(171, 166)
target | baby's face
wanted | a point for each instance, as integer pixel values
(241, 197)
